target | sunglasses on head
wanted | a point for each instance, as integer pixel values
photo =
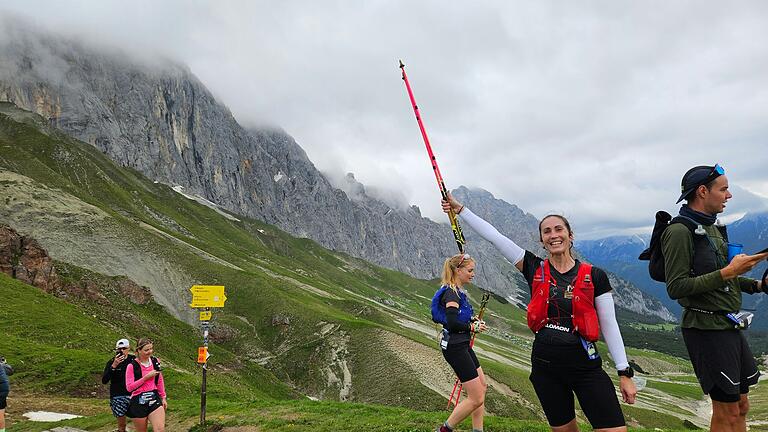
(463, 258)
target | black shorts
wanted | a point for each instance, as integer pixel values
(723, 362)
(463, 361)
(559, 372)
(143, 404)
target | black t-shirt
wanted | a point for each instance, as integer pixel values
(452, 296)
(558, 331)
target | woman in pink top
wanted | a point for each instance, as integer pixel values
(145, 382)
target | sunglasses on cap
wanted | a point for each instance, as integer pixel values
(717, 171)
(463, 258)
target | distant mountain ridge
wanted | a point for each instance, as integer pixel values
(164, 123)
(619, 254)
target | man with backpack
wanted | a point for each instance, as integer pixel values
(114, 373)
(700, 277)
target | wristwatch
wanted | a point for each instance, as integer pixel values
(628, 372)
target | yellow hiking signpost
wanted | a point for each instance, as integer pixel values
(206, 297)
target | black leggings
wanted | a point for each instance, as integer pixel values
(556, 383)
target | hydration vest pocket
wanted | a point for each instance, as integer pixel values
(741, 320)
(589, 348)
(585, 320)
(445, 337)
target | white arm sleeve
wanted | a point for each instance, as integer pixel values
(507, 247)
(606, 314)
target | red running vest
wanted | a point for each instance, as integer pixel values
(583, 302)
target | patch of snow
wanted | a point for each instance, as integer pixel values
(279, 176)
(262, 231)
(47, 416)
(64, 429)
(205, 202)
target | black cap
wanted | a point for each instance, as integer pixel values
(697, 176)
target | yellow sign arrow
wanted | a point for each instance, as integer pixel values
(204, 296)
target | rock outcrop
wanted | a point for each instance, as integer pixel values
(22, 258)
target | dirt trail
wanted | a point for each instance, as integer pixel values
(429, 367)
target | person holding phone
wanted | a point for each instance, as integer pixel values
(114, 374)
(144, 379)
(709, 286)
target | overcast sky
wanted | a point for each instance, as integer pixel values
(591, 109)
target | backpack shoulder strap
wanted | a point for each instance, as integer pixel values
(585, 269)
(688, 222)
(136, 370)
(156, 366)
(723, 232)
(584, 275)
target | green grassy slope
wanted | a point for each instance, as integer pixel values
(299, 318)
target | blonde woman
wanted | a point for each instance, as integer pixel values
(451, 308)
(144, 379)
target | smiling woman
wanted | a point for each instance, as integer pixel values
(571, 302)
(144, 379)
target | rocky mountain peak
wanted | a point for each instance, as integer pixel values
(164, 123)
